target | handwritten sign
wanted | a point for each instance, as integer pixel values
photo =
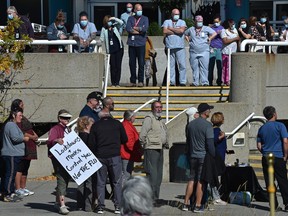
(76, 158)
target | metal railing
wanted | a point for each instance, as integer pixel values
(250, 118)
(106, 75)
(167, 85)
(72, 124)
(254, 44)
(69, 43)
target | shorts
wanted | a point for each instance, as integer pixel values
(196, 165)
(23, 167)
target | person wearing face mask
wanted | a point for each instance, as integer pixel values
(57, 31)
(284, 37)
(173, 30)
(153, 138)
(137, 27)
(84, 32)
(267, 29)
(25, 27)
(230, 39)
(199, 38)
(244, 31)
(124, 16)
(215, 52)
(114, 46)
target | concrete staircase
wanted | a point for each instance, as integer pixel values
(180, 98)
(255, 161)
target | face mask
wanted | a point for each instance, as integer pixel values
(60, 26)
(217, 24)
(109, 23)
(83, 23)
(129, 10)
(243, 26)
(263, 20)
(176, 17)
(10, 16)
(139, 13)
(232, 27)
(199, 24)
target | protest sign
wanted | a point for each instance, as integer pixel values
(76, 158)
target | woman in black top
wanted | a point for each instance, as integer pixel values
(244, 31)
(84, 192)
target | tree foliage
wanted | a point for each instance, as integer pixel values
(11, 57)
(166, 6)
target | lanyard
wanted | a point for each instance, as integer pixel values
(136, 22)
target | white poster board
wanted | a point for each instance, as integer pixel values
(76, 158)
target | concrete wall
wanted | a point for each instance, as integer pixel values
(259, 80)
(50, 82)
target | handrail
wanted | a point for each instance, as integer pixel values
(75, 120)
(71, 123)
(142, 106)
(97, 49)
(249, 118)
(254, 42)
(230, 134)
(176, 116)
(106, 76)
(167, 85)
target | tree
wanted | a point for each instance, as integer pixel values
(11, 59)
(166, 6)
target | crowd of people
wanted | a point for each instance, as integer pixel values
(118, 145)
(207, 44)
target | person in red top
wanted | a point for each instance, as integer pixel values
(130, 151)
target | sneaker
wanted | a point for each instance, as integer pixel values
(20, 192)
(140, 84)
(286, 208)
(199, 209)
(28, 191)
(184, 207)
(12, 198)
(131, 85)
(219, 202)
(63, 210)
(117, 210)
(100, 210)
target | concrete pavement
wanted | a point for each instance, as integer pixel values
(41, 203)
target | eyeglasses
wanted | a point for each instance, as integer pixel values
(65, 118)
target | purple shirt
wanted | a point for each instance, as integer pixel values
(217, 41)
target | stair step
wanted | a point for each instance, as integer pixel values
(172, 102)
(170, 88)
(255, 157)
(149, 109)
(170, 95)
(256, 165)
(139, 117)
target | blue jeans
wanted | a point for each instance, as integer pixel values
(11, 166)
(136, 53)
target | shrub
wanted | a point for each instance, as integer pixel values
(155, 30)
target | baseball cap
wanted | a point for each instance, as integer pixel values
(203, 107)
(95, 94)
(64, 113)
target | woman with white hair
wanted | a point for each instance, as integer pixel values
(130, 151)
(136, 197)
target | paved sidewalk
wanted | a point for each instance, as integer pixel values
(172, 194)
